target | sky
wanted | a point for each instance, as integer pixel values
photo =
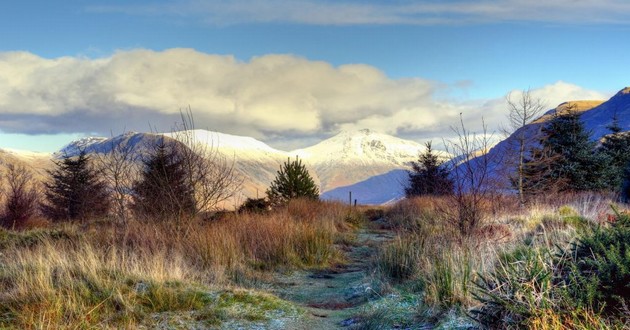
(291, 73)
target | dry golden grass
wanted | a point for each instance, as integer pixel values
(104, 275)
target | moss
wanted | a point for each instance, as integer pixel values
(248, 299)
(567, 211)
(172, 296)
(249, 306)
(30, 238)
(578, 222)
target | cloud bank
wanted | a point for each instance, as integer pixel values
(272, 93)
(272, 97)
(346, 12)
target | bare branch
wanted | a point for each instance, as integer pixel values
(522, 111)
(22, 196)
(119, 169)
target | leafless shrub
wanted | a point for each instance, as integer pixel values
(22, 196)
(471, 166)
(207, 175)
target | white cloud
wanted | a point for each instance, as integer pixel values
(273, 93)
(273, 97)
(221, 12)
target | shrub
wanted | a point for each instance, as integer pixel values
(21, 197)
(585, 286)
(600, 268)
(255, 205)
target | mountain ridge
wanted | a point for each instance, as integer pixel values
(344, 159)
(369, 163)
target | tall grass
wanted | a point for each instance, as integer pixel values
(429, 251)
(72, 284)
(99, 275)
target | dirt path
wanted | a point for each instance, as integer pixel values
(333, 297)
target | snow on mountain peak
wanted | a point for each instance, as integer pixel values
(362, 146)
(229, 145)
(76, 146)
(225, 141)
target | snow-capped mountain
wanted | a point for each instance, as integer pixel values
(342, 160)
(369, 164)
(351, 157)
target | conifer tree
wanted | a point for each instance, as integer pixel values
(163, 193)
(292, 181)
(75, 191)
(428, 176)
(567, 160)
(616, 149)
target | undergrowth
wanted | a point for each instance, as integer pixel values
(555, 265)
(100, 274)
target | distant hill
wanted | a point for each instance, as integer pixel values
(596, 116)
(38, 162)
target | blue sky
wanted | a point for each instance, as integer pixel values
(80, 67)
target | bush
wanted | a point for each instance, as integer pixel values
(600, 271)
(22, 197)
(586, 286)
(255, 205)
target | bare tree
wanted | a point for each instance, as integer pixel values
(523, 109)
(471, 166)
(119, 170)
(211, 175)
(22, 195)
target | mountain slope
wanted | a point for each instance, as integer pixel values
(596, 116)
(255, 162)
(351, 157)
(369, 164)
(36, 162)
(376, 190)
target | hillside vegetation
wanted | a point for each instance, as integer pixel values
(518, 269)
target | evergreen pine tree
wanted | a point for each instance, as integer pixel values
(616, 149)
(163, 192)
(567, 160)
(292, 181)
(76, 192)
(428, 176)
